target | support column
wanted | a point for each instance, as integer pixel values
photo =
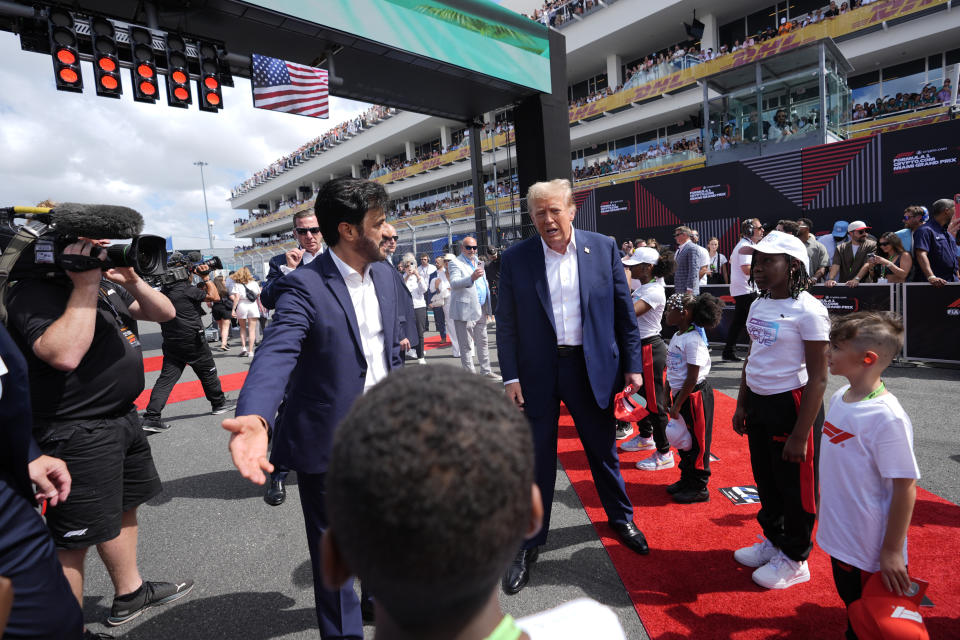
(542, 155)
(614, 64)
(409, 148)
(710, 33)
(476, 176)
(355, 170)
(380, 158)
(445, 137)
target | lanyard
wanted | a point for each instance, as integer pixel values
(506, 630)
(873, 394)
(116, 314)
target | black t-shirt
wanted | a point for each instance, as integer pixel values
(187, 324)
(109, 377)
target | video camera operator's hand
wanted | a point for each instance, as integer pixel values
(123, 276)
(201, 269)
(90, 278)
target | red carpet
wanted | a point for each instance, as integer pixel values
(691, 587)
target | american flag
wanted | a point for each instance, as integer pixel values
(286, 86)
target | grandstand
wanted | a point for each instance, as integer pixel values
(645, 101)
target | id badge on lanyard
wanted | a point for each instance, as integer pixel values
(125, 331)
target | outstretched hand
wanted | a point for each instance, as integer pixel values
(248, 447)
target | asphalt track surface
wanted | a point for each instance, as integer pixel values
(250, 563)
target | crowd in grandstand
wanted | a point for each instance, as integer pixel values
(683, 55)
(308, 150)
(928, 97)
(398, 162)
(627, 162)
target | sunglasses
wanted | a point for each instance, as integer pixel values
(305, 230)
(394, 238)
(467, 247)
(862, 232)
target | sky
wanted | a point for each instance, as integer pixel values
(72, 147)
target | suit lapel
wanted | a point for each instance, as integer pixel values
(339, 289)
(584, 257)
(538, 267)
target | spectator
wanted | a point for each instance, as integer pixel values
(704, 256)
(718, 264)
(781, 127)
(816, 252)
(246, 309)
(417, 287)
(837, 235)
(851, 255)
(742, 289)
(945, 95)
(686, 278)
(892, 264)
(914, 217)
(935, 246)
(222, 311)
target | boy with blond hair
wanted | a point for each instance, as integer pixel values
(868, 472)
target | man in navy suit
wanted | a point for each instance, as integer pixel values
(307, 231)
(309, 246)
(335, 335)
(566, 332)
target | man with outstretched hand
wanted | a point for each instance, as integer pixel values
(340, 311)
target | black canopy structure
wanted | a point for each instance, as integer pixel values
(371, 71)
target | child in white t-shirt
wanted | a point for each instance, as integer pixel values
(647, 267)
(688, 363)
(780, 408)
(867, 466)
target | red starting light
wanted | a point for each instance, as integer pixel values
(148, 88)
(145, 71)
(107, 64)
(69, 76)
(65, 56)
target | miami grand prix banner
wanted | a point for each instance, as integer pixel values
(933, 321)
(872, 179)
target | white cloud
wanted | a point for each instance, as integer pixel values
(83, 148)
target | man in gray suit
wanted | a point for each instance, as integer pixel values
(470, 307)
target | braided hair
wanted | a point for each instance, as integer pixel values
(798, 279)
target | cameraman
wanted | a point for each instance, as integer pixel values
(184, 343)
(79, 335)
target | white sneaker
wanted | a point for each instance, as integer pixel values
(422, 360)
(781, 572)
(657, 462)
(639, 443)
(756, 555)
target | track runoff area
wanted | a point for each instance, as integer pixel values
(253, 575)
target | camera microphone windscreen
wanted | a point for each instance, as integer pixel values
(96, 221)
(194, 256)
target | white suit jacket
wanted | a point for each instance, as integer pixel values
(464, 302)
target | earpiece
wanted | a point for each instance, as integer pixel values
(869, 358)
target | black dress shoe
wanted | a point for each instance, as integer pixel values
(276, 494)
(631, 536)
(518, 573)
(729, 356)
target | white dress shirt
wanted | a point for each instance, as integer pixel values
(366, 306)
(306, 259)
(564, 282)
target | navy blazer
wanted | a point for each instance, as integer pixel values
(526, 332)
(17, 446)
(314, 345)
(268, 299)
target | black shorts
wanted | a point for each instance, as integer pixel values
(112, 471)
(222, 312)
